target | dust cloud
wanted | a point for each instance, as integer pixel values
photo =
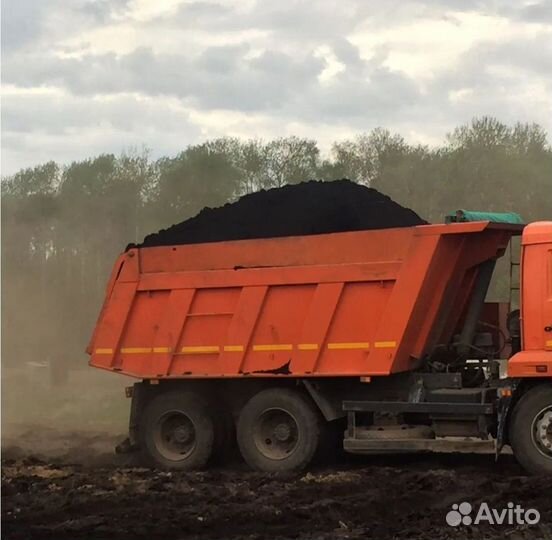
(79, 421)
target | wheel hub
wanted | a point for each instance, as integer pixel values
(542, 431)
(276, 434)
(182, 434)
(282, 432)
(175, 436)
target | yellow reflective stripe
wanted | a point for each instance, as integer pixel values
(201, 349)
(549, 343)
(273, 347)
(307, 346)
(144, 350)
(233, 348)
(346, 345)
(210, 349)
(385, 344)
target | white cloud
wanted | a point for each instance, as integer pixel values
(83, 76)
(49, 124)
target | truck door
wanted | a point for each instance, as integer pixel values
(547, 309)
(537, 286)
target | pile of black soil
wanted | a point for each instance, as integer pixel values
(300, 209)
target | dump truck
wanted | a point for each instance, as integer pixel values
(382, 337)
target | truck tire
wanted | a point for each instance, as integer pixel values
(178, 431)
(278, 431)
(531, 430)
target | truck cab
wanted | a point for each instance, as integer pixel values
(535, 357)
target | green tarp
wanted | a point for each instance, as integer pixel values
(495, 217)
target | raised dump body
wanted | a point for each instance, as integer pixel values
(346, 304)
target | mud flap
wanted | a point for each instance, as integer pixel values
(138, 392)
(126, 447)
(505, 400)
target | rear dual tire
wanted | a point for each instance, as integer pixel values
(178, 431)
(278, 431)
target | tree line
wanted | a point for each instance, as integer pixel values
(63, 225)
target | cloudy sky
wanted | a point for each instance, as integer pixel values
(80, 77)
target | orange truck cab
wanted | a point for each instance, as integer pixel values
(381, 338)
(535, 358)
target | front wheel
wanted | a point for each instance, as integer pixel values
(278, 431)
(531, 430)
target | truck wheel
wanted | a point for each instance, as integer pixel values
(178, 431)
(278, 430)
(531, 430)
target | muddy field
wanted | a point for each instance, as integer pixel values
(86, 492)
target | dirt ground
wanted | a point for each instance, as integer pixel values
(75, 488)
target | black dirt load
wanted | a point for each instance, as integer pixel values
(300, 209)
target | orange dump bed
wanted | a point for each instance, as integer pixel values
(346, 304)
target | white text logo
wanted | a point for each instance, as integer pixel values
(513, 514)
